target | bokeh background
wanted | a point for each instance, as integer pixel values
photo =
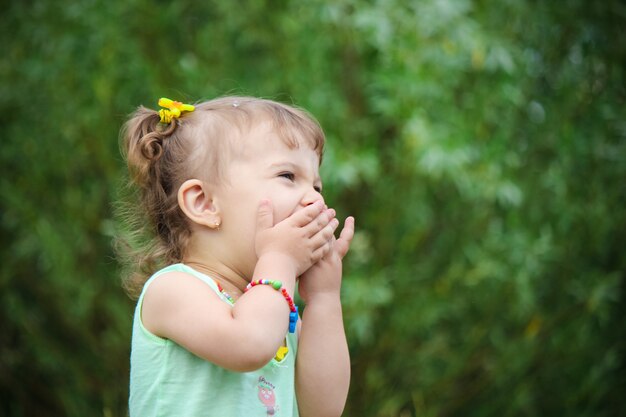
(481, 146)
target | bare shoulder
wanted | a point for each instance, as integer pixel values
(175, 297)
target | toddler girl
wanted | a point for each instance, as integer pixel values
(231, 194)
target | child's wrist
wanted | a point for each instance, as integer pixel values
(323, 305)
(278, 286)
(323, 297)
(277, 265)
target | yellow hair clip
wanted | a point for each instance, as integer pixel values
(172, 109)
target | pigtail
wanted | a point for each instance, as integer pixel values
(143, 141)
(156, 232)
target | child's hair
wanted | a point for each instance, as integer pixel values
(161, 157)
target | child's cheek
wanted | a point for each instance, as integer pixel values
(279, 215)
(283, 209)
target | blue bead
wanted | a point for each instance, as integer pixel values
(293, 320)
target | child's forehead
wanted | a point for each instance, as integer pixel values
(273, 152)
(266, 136)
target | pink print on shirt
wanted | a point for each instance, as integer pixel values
(267, 396)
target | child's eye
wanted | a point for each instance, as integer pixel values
(289, 175)
(318, 189)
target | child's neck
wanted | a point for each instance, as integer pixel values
(233, 283)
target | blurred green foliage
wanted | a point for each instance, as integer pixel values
(481, 146)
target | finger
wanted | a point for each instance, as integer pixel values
(345, 237)
(327, 234)
(320, 222)
(308, 214)
(265, 216)
(322, 251)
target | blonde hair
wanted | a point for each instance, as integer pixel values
(197, 145)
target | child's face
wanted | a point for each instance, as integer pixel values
(266, 169)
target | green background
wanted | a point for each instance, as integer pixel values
(481, 146)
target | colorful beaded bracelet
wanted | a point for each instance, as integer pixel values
(225, 294)
(278, 286)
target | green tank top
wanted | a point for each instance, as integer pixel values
(168, 380)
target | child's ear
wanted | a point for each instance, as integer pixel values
(196, 201)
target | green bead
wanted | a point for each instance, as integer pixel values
(277, 285)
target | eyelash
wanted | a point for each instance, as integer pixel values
(292, 177)
(289, 175)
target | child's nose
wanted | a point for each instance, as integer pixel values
(311, 197)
